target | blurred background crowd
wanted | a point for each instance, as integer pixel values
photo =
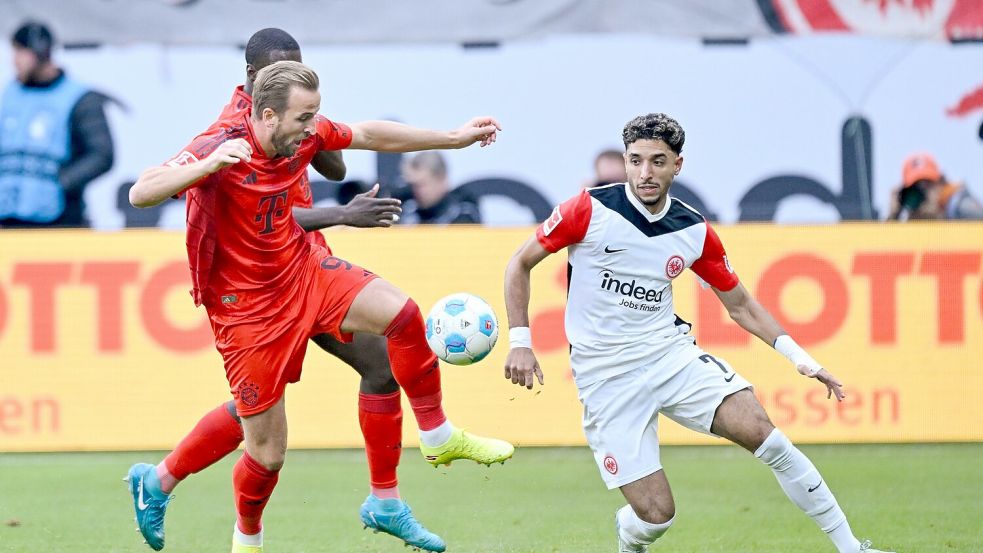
(795, 112)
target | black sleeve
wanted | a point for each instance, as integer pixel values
(92, 144)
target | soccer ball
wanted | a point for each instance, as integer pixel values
(461, 329)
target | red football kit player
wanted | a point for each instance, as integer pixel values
(252, 268)
(380, 413)
(267, 290)
(219, 431)
(242, 103)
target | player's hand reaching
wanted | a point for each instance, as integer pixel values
(228, 153)
(366, 210)
(806, 365)
(522, 367)
(833, 385)
(484, 129)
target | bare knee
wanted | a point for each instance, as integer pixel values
(372, 363)
(269, 454)
(273, 464)
(378, 384)
(654, 509)
(759, 435)
(266, 436)
(651, 498)
(376, 372)
(374, 308)
(741, 419)
(367, 354)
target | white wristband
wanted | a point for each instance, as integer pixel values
(804, 363)
(520, 337)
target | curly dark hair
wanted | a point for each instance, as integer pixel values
(655, 126)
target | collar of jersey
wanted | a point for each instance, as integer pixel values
(240, 91)
(253, 141)
(640, 207)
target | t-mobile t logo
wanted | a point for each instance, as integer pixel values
(271, 207)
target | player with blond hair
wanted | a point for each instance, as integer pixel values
(267, 289)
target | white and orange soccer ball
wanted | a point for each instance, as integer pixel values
(462, 329)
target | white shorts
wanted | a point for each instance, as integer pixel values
(621, 413)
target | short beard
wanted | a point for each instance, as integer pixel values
(283, 148)
(656, 200)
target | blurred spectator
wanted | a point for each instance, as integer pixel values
(54, 138)
(431, 200)
(609, 167)
(925, 193)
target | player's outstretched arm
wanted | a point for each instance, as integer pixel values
(365, 210)
(521, 366)
(157, 184)
(330, 164)
(389, 136)
(754, 318)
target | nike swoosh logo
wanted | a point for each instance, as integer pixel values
(816, 487)
(140, 504)
(607, 249)
(731, 377)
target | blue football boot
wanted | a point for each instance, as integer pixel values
(149, 503)
(394, 517)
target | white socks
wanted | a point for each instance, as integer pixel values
(803, 484)
(636, 531)
(437, 436)
(255, 540)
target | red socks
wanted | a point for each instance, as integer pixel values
(414, 366)
(252, 485)
(381, 419)
(428, 411)
(216, 435)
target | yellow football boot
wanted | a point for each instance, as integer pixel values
(463, 445)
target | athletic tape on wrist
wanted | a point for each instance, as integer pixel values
(792, 351)
(520, 337)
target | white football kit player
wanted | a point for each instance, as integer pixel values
(629, 362)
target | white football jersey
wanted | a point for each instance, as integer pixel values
(622, 261)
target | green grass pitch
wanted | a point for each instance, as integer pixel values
(908, 498)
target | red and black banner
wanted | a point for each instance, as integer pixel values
(956, 20)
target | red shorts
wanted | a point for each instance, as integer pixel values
(265, 351)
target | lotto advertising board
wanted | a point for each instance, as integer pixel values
(101, 347)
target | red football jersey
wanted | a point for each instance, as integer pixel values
(243, 242)
(242, 102)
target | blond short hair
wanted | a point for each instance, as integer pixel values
(275, 81)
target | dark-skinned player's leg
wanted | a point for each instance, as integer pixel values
(380, 414)
(381, 308)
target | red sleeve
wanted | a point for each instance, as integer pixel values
(199, 148)
(712, 266)
(331, 135)
(567, 224)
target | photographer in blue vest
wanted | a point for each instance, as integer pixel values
(54, 138)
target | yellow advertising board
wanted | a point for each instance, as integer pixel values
(101, 347)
